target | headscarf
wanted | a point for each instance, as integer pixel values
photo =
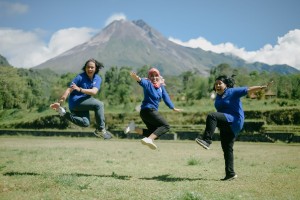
(161, 80)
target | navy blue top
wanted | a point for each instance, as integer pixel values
(152, 95)
(82, 80)
(230, 104)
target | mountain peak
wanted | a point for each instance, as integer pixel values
(135, 44)
(142, 24)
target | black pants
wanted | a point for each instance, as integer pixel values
(219, 120)
(154, 122)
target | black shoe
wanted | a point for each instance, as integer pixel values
(202, 143)
(103, 133)
(229, 178)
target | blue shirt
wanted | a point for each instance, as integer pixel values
(230, 104)
(152, 95)
(82, 80)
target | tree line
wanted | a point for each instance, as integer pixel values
(36, 89)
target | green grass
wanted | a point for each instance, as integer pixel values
(89, 168)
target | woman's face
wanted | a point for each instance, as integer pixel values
(220, 87)
(154, 78)
(90, 69)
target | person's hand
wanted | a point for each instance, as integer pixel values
(135, 76)
(75, 87)
(177, 109)
(266, 86)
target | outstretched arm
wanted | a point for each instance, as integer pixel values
(65, 95)
(257, 88)
(62, 99)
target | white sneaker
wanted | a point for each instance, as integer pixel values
(61, 111)
(149, 143)
(130, 127)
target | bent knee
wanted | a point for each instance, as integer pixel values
(167, 127)
(211, 116)
(99, 105)
(86, 123)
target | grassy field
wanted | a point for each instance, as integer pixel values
(89, 168)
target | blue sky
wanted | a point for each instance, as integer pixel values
(33, 31)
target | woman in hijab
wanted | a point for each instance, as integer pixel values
(154, 91)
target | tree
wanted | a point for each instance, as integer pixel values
(118, 85)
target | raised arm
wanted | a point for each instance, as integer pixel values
(135, 76)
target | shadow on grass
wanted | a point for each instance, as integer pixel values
(113, 175)
(168, 178)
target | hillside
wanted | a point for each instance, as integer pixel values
(3, 61)
(135, 44)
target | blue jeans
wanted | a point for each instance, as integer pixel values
(80, 115)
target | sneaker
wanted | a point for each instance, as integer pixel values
(103, 134)
(130, 127)
(61, 111)
(229, 178)
(202, 143)
(149, 143)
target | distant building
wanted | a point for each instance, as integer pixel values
(269, 94)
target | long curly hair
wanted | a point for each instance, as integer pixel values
(98, 64)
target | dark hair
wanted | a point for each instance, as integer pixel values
(98, 64)
(228, 81)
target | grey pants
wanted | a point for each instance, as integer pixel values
(80, 115)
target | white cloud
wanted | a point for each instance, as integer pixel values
(286, 51)
(8, 8)
(116, 16)
(27, 49)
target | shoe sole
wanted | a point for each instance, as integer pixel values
(229, 179)
(107, 137)
(99, 136)
(151, 146)
(202, 145)
(126, 130)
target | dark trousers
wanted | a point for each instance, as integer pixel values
(219, 120)
(154, 122)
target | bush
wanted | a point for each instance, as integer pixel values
(52, 121)
(283, 117)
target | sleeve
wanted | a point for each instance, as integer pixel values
(166, 98)
(144, 82)
(240, 91)
(76, 80)
(98, 81)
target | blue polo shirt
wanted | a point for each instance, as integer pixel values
(82, 80)
(153, 96)
(230, 104)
